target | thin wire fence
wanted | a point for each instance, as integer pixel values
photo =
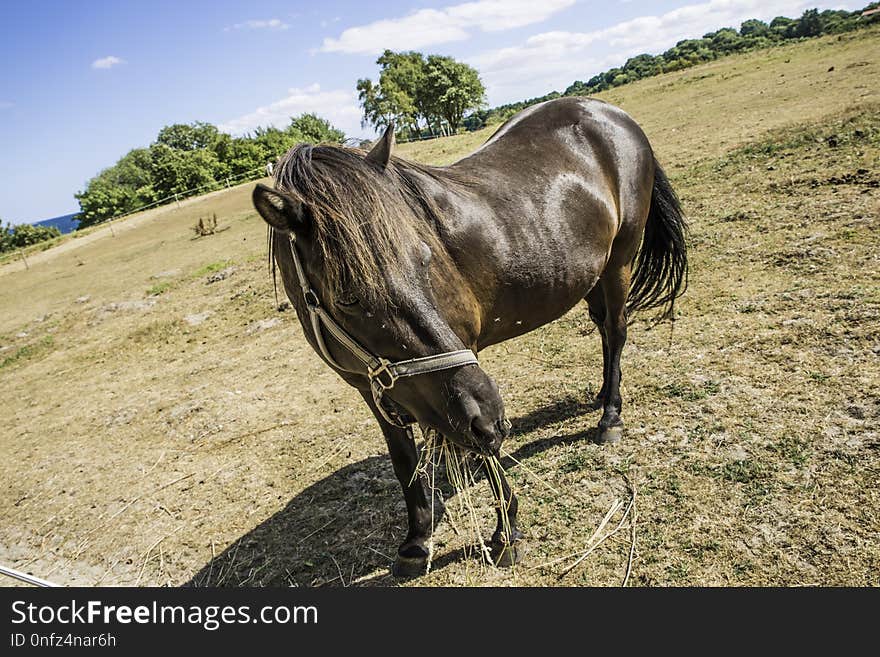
(215, 185)
(212, 186)
(421, 138)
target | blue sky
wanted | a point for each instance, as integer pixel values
(81, 83)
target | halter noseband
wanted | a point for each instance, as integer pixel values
(381, 372)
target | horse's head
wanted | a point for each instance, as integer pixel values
(366, 235)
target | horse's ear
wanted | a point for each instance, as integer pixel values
(381, 152)
(282, 211)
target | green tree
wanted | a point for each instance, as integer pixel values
(135, 170)
(188, 137)
(273, 141)
(417, 92)
(270, 143)
(22, 235)
(399, 95)
(727, 40)
(810, 24)
(244, 156)
(177, 171)
(613, 74)
(837, 21)
(402, 80)
(102, 198)
(754, 28)
(452, 88)
(118, 189)
(643, 66)
(313, 129)
(376, 108)
(783, 27)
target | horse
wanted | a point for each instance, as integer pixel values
(400, 273)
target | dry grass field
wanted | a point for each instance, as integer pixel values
(165, 423)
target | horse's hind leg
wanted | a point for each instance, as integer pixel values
(596, 303)
(507, 545)
(615, 288)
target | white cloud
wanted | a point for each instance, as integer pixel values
(427, 27)
(268, 24)
(339, 107)
(556, 59)
(107, 62)
(6, 104)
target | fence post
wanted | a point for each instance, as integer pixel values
(177, 200)
(111, 227)
(227, 182)
(21, 252)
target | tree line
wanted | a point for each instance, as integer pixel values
(753, 34)
(190, 156)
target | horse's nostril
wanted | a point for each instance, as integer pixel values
(481, 430)
(477, 428)
(488, 436)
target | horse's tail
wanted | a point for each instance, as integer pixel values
(660, 267)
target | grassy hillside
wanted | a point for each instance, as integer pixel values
(166, 423)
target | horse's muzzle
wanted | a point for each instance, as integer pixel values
(477, 411)
(464, 405)
(487, 435)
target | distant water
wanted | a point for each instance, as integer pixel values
(65, 223)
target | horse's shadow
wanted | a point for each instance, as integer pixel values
(348, 524)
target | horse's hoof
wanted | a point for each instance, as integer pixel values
(610, 435)
(505, 556)
(407, 567)
(412, 561)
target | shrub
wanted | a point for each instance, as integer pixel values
(16, 237)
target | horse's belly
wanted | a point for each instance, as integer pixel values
(524, 305)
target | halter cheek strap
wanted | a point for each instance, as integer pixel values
(382, 373)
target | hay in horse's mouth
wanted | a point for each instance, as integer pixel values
(434, 439)
(461, 476)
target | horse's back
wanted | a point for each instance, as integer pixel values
(598, 143)
(556, 115)
(561, 185)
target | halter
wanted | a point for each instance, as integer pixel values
(382, 373)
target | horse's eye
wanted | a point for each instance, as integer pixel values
(347, 301)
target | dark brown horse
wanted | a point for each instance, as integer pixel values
(415, 265)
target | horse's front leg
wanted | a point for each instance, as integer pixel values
(412, 555)
(507, 543)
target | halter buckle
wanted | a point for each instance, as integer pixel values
(311, 298)
(377, 373)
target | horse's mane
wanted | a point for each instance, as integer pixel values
(363, 229)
